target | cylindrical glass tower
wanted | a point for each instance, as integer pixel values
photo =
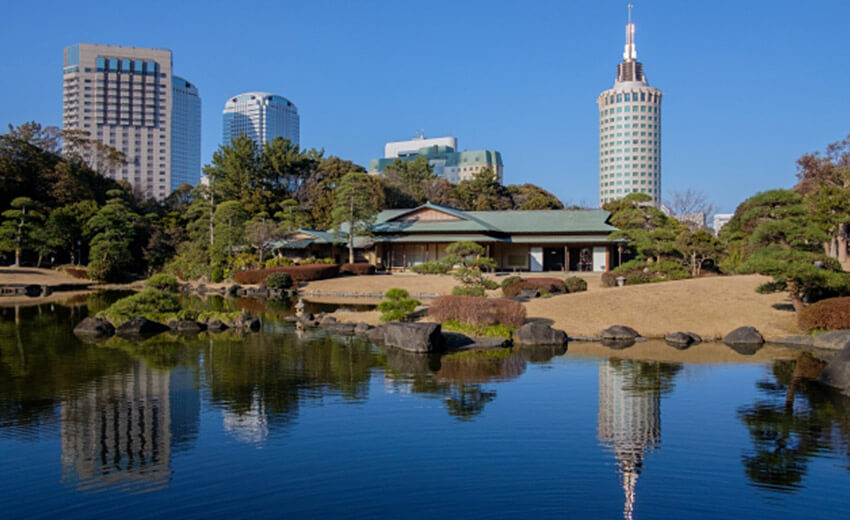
(630, 131)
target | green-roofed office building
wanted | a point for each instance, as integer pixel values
(443, 156)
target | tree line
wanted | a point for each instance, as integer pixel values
(58, 208)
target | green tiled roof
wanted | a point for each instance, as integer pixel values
(499, 222)
(438, 238)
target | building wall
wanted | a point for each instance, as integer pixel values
(123, 97)
(185, 134)
(262, 117)
(449, 164)
(401, 148)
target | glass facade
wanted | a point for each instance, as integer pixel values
(185, 134)
(262, 117)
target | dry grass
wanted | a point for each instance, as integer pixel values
(710, 307)
(36, 276)
(419, 284)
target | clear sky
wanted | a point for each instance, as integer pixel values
(749, 86)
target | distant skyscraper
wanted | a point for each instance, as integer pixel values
(630, 131)
(127, 98)
(185, 134)
(262, 117)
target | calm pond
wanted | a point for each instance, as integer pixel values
(294, 424)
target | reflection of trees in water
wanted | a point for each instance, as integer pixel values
(41, 362)
(458, 379)
(259, 380)
(788, 432)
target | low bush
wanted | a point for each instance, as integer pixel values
(278, 281)
(575, 284)
(299, 273)
(510, 280)
(357, 269)
(609, 279)
(490, 331)
(543, 285)
(829, 314)
(468, 291)
(396, 306)
(317, 261)
(475, 310)
(151, 304)
(278, 262)
(163, 282)
(641, 271)
(433, 267)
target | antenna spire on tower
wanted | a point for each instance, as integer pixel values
(630, 53)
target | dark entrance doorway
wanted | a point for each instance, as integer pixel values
(553, 258)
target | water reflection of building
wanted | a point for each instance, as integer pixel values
(122, 431)
(251, 425)
(629, 421)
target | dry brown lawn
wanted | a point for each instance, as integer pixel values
(36, 276)
(710, 307)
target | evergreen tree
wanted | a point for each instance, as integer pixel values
(355, 205)
(111, 232)
(17, 232)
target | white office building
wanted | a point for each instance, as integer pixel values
(262, 117)
(629, 131)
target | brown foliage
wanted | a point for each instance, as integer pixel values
(357, 269)
(544, 285)
(76, 272)
(299, 273)
(476, 310)
(829, 314)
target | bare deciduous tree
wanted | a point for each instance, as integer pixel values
(688, 202)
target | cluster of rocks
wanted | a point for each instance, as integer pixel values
(99, 328)
(235, 290)
(429, 337)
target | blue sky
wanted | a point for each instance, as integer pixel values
(748, 86)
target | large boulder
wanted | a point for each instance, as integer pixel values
(745, 340)
(252, 324)
(141, 326)
(187, 326)
(682, 340)
(339, 328)
(837, 371)
(414, 337)
(619, 333)
(376, 334)
(833, 340)
(535, 333)
(94, 327)
(216, 326)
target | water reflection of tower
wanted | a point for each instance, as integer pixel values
(629, 420)
(121, 431)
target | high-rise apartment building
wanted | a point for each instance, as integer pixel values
(630, 131)
(127, 98)
(262, 117)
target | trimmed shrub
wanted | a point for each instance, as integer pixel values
(829, 314)
(544, 285)
(278, 262)
(163, 282)
(510, 280)
(317, 261)
(432, 267)
(468, 291)
(575, 284)
(151, 304)
(609, 279)
(299, 273)
(640, 271)
(278, 281)
(475, 310)
(492, 331)
(357, 269)
(397, 305)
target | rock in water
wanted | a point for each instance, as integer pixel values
(536, 333)
(94, 327)
(837, 371)
(748, 339)
(361, 329)
(682, 340)
(216, 326)
(187, 326)
(375, 335)
(141, 326)
(619, 333)
(414, 337)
